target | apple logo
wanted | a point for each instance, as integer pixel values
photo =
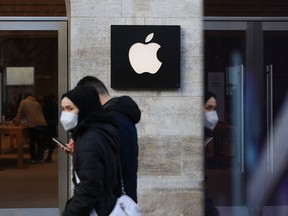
(143, 57)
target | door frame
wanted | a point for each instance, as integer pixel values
(255, 28)
(59, 24)
(226, 25)
(267, 163)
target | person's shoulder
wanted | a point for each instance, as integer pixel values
(99, 138)
(101, 125)
(88, 137)
(24, 101)
(128, 100)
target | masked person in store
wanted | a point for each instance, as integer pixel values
(210, 115)
(210, 122)
(95, 163)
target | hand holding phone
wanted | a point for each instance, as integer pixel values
(208, 140)
(61, 144)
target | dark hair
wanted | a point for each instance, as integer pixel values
(48, 99)
(86, 99)
(208, 95)
(95, 82)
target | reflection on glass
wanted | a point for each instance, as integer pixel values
(225, 56)
(29, 64)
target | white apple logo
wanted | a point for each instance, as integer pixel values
(143, 57)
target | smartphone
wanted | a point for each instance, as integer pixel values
(208, 140)
(61, 144)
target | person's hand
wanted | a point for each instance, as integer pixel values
(70, 145)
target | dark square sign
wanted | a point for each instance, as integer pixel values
(145, 56)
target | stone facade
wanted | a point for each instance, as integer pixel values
(170, 174)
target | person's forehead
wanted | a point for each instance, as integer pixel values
(66, 102)
(211, 101)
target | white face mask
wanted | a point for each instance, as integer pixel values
(69, 120)
(211, 119)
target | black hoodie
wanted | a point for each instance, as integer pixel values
(127, 114)
(126, 106)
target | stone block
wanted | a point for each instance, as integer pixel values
(161, 8)
(171, 156)
(170, 116)
(95, 8)
(173, 202)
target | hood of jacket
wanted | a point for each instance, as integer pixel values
(126, 106)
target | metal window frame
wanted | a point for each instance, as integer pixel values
(60, 25)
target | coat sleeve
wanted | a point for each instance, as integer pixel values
(90, 170)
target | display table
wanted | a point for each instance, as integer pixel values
(17, 132)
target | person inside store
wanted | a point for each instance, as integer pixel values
(210, 115)
(95, 162)
(14, 106)
(30, 111)
(50, 110)
(210, 122)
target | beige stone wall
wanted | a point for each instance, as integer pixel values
(170, 133)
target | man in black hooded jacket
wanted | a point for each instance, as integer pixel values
(127, 114)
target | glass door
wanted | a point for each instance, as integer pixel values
(33, 59)
(274, 114)
(225, 69)
(247, 168)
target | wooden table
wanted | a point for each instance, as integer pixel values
(18, 132)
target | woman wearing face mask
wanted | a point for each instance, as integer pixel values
(210, 122)
(210, 115)
(95, 162)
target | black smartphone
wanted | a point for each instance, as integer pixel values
(61, 144)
